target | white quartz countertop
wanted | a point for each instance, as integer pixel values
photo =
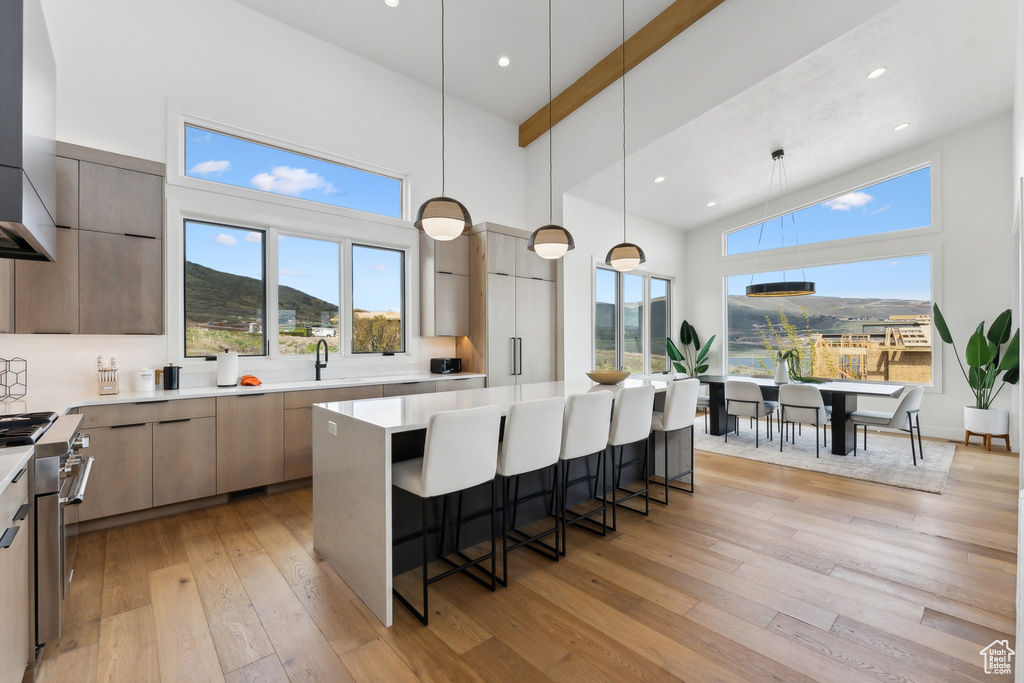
(405, 413)
(61, 403)
(11, 461)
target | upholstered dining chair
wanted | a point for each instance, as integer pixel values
(802, 404)
(904, 418)
(744, 399)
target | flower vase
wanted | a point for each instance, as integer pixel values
(782, 371)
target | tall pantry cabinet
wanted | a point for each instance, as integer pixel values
(513, 330)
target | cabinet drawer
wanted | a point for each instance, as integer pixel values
(12, 498)
(460, 384)
(146, 411)
(409, 388)
(305, 399)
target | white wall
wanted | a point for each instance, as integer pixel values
(596, 229)
(121, 64)
(973, 253)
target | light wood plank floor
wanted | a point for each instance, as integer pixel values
(767, 573)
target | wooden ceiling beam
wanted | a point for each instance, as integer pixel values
(675, 19)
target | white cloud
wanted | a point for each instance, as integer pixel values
(881, 209)
(253, 237)
(854, 200)
(895, 263)
(285, 272)
(291, 181)
(379, 266)
(211, 166)
(226, 240)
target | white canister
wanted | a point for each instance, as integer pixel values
(227, 369)
(144, 380)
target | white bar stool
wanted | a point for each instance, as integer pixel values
(460, 452)
(631, 423)
(802, 403)
(532, 442)
(679, 413)
(584, 433)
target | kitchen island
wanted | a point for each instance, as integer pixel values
(354, 445)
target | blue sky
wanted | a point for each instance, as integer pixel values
(308, 265)
(896, 204)
(234, 161)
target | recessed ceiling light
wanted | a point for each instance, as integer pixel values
(391, 3)
(901, 126)
(877, 72)
(503, 61)
(660, 179)
(711, 203)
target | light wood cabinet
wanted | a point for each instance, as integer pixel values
(460, 384)
(120, 284)
(184, 459)
(501, 253)
(502, 345)
(298, 424)
(529, 265)
(250, 441)
(120, 201)
(444, 290)
(122, 472)
(409, 388)
(15, 596)
(535, 329)
(46, 294)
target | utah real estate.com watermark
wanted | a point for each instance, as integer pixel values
(998, 657)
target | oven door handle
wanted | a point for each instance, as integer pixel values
(78, 495)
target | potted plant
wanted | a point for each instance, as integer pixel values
(689, 357)
(991, 356)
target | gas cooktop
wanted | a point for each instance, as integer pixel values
(24, 429)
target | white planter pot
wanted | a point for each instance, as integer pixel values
(991, 421)
(782, 371)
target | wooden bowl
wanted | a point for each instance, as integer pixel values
(607, 376)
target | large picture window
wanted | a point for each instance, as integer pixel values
(632, 317)
(900, 203)
(868, 321)
(235, 161)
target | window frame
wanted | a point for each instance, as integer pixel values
(902, 243)
(351, 308)
(620, 323)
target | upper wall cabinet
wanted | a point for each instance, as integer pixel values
(108, 277)
(508, 255)
(444, 290)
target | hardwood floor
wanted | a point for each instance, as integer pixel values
(767, 573)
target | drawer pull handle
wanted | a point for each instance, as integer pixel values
(8, 537)
(168, 422)
(19, 475)
(136, 424)
(23, 512)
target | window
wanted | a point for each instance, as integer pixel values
(225, 298)
(308, 289)
(900, 203)
(869, 321)
(235, 161)
(378, 303)
(625, 335)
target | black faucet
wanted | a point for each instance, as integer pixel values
(318, 364)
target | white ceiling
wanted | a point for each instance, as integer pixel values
(753, 80)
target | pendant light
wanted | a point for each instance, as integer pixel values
(443, 218)
(783, 288)
(625, 256)
(550, 241)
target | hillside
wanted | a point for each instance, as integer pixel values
(219, 296)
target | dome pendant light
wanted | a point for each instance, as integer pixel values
(550, 241)
(625, 256)
(443, 218)
(783, 288)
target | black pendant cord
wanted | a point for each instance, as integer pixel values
(442, 98)
(623, 48)
(784, 179)
(551, 132)
(764, 217)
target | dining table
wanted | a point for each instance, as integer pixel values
(840, 394)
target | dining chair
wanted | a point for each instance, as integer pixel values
(679, 413)
(744, 399)
(460, 452)
(904, 418)
(802, 403)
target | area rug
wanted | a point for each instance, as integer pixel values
(887, 460)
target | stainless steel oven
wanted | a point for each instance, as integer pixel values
(61, 475)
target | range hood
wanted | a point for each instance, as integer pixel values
(28, 127)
